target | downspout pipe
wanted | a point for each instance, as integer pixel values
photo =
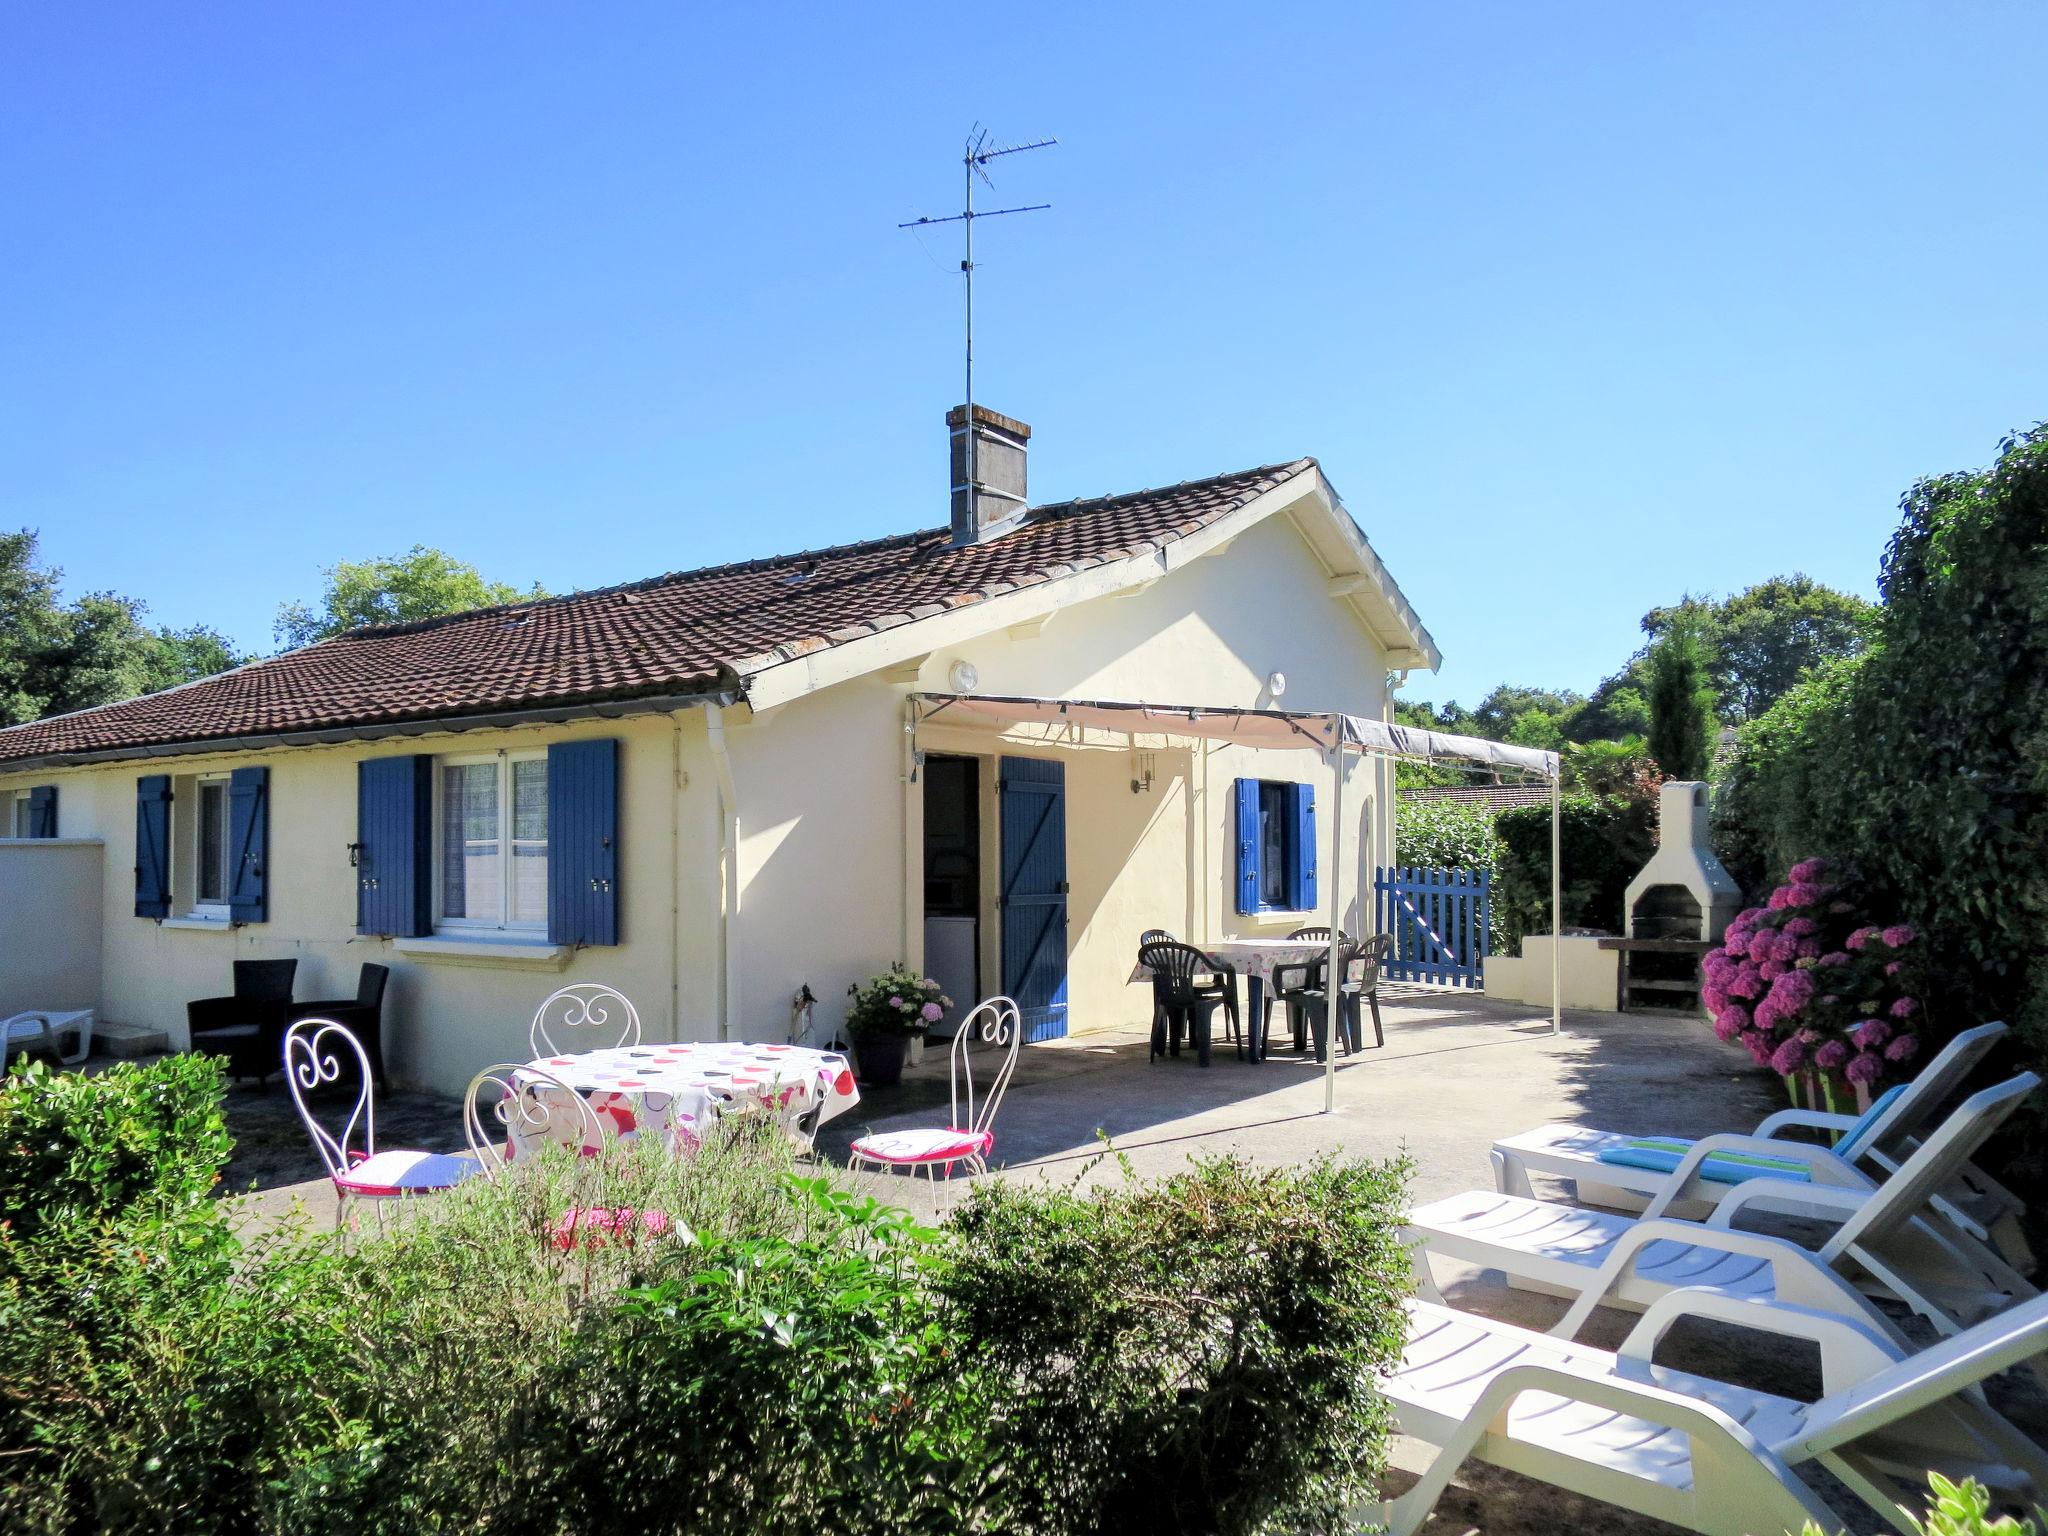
(729, 855)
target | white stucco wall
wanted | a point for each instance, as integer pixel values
(50, 913)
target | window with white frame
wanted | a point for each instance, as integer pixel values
(18, 815)
(491, 841)
(210, 848)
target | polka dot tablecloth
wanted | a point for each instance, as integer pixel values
(674, 1091)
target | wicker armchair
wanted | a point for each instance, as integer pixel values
(247, 1028)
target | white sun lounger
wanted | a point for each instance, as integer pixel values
(1705, 1454)
(1889, 1239)
(1876, 1140)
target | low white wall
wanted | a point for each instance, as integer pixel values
(1589, 976)
(49, 923)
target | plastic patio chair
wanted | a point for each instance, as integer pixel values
(1709, 1455)
(584, 1009)
(1189, 987)
(967, 1136)
(1890, 1237)
(316, 1054)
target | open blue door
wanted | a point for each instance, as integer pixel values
(1033, 793)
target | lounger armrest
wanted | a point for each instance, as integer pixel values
(1822, 1202)
(1804, 1119)
(1797, 1276)
(1851, 1351)
(1684, 1182)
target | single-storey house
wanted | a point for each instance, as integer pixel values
(715, 788)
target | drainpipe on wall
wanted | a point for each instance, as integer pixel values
(729, 851)
(677, 780)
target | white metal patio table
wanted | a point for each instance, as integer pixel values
(677, 1091)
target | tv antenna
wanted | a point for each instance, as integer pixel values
(979, 153)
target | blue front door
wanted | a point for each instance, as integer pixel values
(1033, 793)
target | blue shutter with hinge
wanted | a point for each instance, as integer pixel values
(394, 849)
(248, 844)
(1248, 845)
(1301, 883)
(153, 845)
(42, 811)
(583, 842)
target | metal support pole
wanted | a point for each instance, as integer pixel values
(1556, 903)
(1333, 987)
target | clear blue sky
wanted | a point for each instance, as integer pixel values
(1582, 306)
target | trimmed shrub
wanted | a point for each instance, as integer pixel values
(1959, 1509)
(1444, 834)
(1196, 1354)
(77, 1148)
(1606, 841)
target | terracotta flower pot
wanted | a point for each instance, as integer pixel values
(880, 1059)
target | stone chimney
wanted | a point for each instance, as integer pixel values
(988, 508)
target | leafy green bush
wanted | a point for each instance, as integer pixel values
(1444, 834)
(74, 1147)
(1958, 1510)
(1606, 840)
(1196, 1354)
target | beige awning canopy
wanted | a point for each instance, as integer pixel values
(1269, 728)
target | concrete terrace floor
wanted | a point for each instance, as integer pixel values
(1457, 1071)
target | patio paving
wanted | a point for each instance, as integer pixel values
(1457, 1071)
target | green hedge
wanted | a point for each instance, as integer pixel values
(1444, 834)
(1922, 766)
(1606, 840)
(783, 1357)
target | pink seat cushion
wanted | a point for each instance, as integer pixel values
(406, 1173)
(932, 1146)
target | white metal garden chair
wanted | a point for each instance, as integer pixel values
(317, 1052)
(529, 1107)
(1889, 1238)
(588, 1016)
(1613, 1169)
(967, 1138)
(1705, 1454)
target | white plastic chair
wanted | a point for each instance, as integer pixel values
(1890, 1237)
(586, 1007)
(967, 1137)
(1878, 1138)
(529, 1104)
(315, 1051)
(1704, 1454)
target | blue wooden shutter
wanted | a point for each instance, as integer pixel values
(1301, 874)
(248, 844)
(153, 845)
(583, 842)
(395, 846)
(1249, 844)
(42, 811)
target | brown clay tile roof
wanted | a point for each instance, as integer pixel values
(693, 631)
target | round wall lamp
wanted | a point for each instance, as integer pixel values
(1276, 684)
(963, 676)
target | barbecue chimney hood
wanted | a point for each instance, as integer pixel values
(1683, 892)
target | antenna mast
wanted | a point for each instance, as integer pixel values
(976, 160)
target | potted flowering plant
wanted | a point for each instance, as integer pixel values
(887, 1013)
(1810, 989)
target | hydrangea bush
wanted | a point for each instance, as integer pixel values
(1808, 986)
(897, 1002)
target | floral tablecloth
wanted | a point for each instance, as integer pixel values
(674, 1091)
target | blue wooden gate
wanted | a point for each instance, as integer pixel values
(1440, 920)
(1034, 892)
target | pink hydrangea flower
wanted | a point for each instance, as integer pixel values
(1859, 938)
(1899, 935)
(1800, 927)
(1805, 894)
(1781, 898)
(1758, 1048)
(1893, 967)
(1767, 1016)
(1788, 1058)
(1871, 1034)
(1809, 951)
(1830, 1056)
(1864, 1069)
(896, 1002)
(1748, 981)
(1829, 999)
(1792, 991)
(1807, 871)
(1834, 958)
(1771, 970)
(932, 1013)
(1904, 1008)
(1735, 943)
(1713, 999)
(1736, 1015)
(1902, 1049)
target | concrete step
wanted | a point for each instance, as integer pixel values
(125, 1040)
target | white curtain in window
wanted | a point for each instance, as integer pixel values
(470, 851)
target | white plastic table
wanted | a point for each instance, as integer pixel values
(677, 1091)
(23, 1030)
(1255, 960)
